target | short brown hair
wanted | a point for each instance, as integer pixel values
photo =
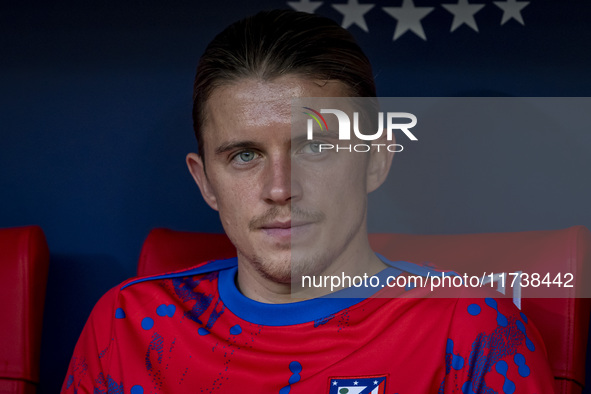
(275, 43)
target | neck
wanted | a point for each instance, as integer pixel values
(357, 258)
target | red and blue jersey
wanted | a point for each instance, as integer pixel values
(194, 332)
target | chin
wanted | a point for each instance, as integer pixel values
(309, 264)
(286, 269)
(275, 272)
(287, 266)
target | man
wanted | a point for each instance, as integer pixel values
(232, 326)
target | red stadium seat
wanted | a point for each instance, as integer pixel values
(563, 322)
(24, 263)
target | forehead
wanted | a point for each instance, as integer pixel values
(257, 103)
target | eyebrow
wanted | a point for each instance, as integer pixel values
(330, 133)
(232, 145)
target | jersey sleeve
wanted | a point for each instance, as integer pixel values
(88, 369)
(492, 347)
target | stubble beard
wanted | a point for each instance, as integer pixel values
(287, 264)
(297, 262)
(290, 269)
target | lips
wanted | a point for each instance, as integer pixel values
(277, 224)
(284, 229)
(282, 225)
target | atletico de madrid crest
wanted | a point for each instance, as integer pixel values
(375, 384)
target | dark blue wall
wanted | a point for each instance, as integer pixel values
(95, 102)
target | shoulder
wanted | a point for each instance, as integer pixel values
(138, 289)
(204, 268)
(492, 338)
(488, 316)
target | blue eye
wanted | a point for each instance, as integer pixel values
(311, 148)
(245, 156)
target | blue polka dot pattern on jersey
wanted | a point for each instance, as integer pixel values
(170, 310)
(236, 330)
(119, 314)
(161, 310)
(295, 368)
(523, 369)
(474, 309)
(502, 368)
(147, 323)
(137, 389)
(166, 310)
(501, 319)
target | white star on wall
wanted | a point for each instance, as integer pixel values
(408, 18)
(305, 5)
(353, 13)
(463, 13)
(511, 10)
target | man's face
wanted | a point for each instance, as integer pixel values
(281, 203)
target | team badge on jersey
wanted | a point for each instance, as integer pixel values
(375, 384)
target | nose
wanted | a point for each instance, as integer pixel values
(277, 189)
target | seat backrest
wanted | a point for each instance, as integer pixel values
(562, 322)
(24, 264)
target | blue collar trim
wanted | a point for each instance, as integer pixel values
(317, 309)
(298, 312)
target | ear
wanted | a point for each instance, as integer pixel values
(379, 163)
(197, 170)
